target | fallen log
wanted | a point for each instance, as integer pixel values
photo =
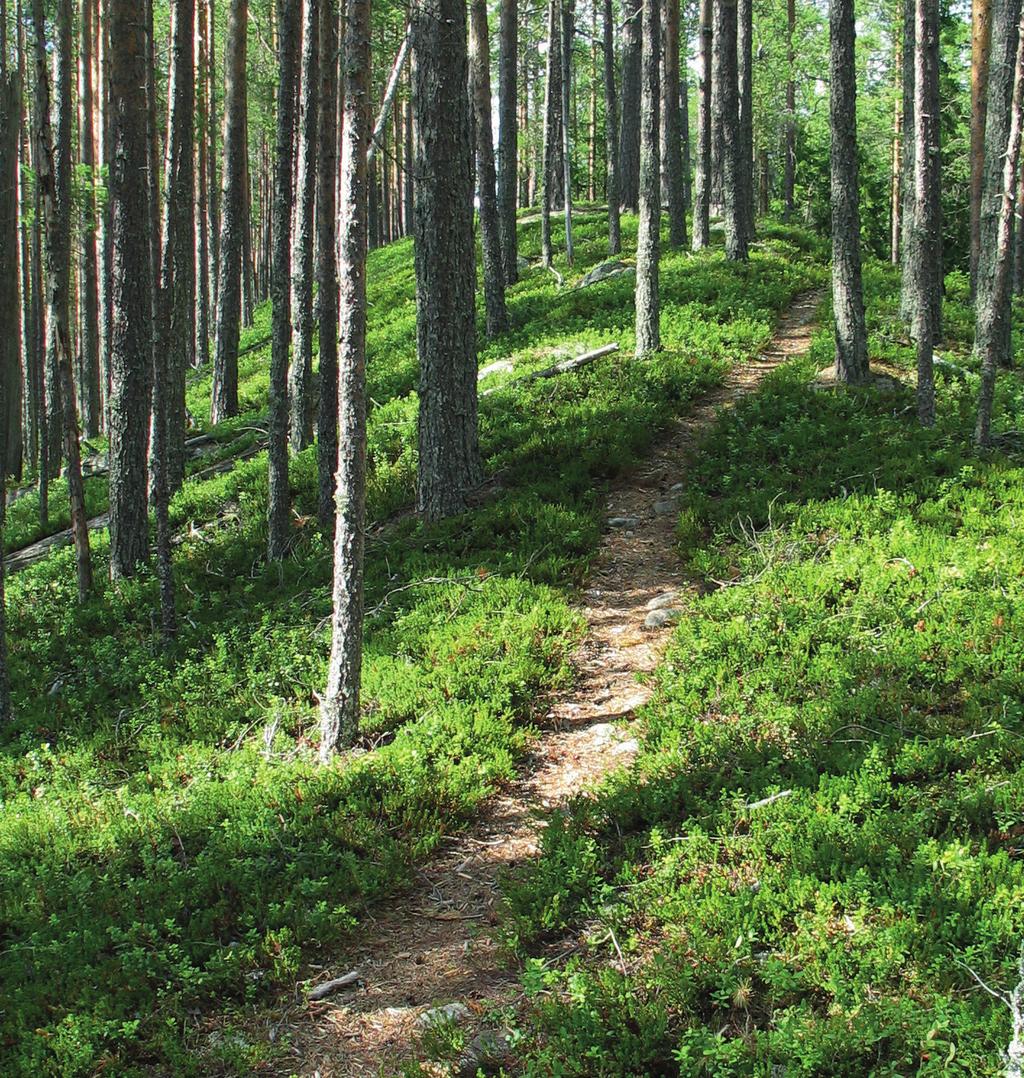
(564, 367)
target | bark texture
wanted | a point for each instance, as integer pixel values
(552, 115)
(629, 128)
(981, 41)
(789, 147)
(671, 150)
(10, 110)
(89, 347)
(731, 147)
(449, 454)
(611, 132)
(508, 152)
(745, 111)
(648, 247)
(702, 181)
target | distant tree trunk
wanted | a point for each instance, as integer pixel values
(895, 186)
(202, 347)
(212, 184)
(300, 384)
(907, 164)
(1002, 152)
(103, 130)
(10, 344)
(233, 223)
(490, 224)
(132, 330)
(568, 37)
(508, 153)
(87, 279)
(684, 120)
(278, 509)
(745, 112)
(629, 127)
(671, 130)
(57, 219)
(733, 192)
(847, 290)
(611, 132)
(926, 220)
(327, 263)
(981, 41)
(702, 185)
(648, 247)
(789, 165)
(592, 118)
(339, 715)
(449, 453)
(552, 109)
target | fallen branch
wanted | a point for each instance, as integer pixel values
(766, 801)
(322, 991)
(564, 367)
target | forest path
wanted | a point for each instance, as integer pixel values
(433, 945)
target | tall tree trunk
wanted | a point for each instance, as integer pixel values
(212, 185)
(103, 131)
(745, 112)
(508, 151)
(847, 289)
(339, 715)
(300, 385)
(629, 127)
(327, 264)
(684, 123)
(1018, 262)
(926, 220)
(896, 182)
(648, 247)
(10, 117)
(56, 193)
(1002, 152)
(229, 289)
(908, 163)
(671, 129)
(449, 454)
(725, 73)
(789, 164)
(87, 279)
(592, 117)
(702, 185)
(611, 132)
(568, 37)
(131, 285)
(279, 508)
(202, 348)
(552, 108)
(981, 41)
(490, 225)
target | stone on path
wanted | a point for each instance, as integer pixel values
(450, 1012)
(664, 601)
(658, 619)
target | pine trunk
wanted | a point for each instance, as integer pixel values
(552, 110)
(907, 163)
(508, 153)
(671, 129)
(568, 37)
(789, 162)
(702, 184)
(648, 246)
(730, 142)
(611, 132)
(629, 127)
(87, 268)
(745, 112)
(981, 42)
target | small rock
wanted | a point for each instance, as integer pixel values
(657, 619)
(605, 271)
(601, 732)
(450, 1012)
(666, 506)
(484, 1053)
(522, 263)
(663, 602)
(627, 748)
(677, 488)
(623, 522)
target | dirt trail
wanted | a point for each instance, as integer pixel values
(432, 945)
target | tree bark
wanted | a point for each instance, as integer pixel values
(725, 74)
(907, 163)
(745, 112)
(789, 152)
(203, 290)
(10, 115)
(847, 289)
(648, 247)
(327, 264)
(552, 109)
(87, 269)
(339, 715)
(233, 223)
(611, 132)
(896, 179)
(684, 123)
(449, 454)
(629, 127)
(508, 151)
(702, 185)
(300, 384)
(568, 37)
(981, 41)
(490, 226)
(1002, 152)
(671, 150)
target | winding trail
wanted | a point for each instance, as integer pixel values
(433, 945)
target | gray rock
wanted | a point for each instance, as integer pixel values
(436, 1016)
(623, 522)
(658, 619)
(605, 272)
(663, 601)
(484, 1053)
(666, 507)
(677, 488)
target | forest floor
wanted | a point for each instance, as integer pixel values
(433, 946)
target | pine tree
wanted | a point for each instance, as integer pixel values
(728, 134)
(702, 186)
(648, 247)
(671, 150)
(508, 155)
(611, 132)
(629, 126)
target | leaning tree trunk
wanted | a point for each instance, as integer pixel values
(449, 452)
(702, 185)
(232, 213)
(671, 149)
(611, 132)
(508, 154)
(981, 41)
(731, 147)
(57, 219)
(629, 127)
(278, 508)
(327, 265)
(925, 258)
(339, 714)
(648, 246)
(789, 152)
(490, 224)
(1002, 151)
(847, 289)
(552, 110)
(300, 384)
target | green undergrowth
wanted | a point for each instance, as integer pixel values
(824, 831)
(167, 842)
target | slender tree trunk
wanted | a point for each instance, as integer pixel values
(552, 107)
(611, 132)
(648, 247)
(671, 129)
(847, 290)
(745, 113)
(229, 290)
(629, 128)
(87, 280)
(908, 163)
(212, 185)
(1018, 264)
(926, 219)
(508, 150)
(449, 454)
(202, 191)
(339, 716)
(592, 117)
(103, 254)
(279, 508)
(1002, 152)
(10, 115)
(789, 165)
(895, 187)
(568, 36)
(702, 185)
(684, 121)
(981, 40)
(490, 224)
(733, 193)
